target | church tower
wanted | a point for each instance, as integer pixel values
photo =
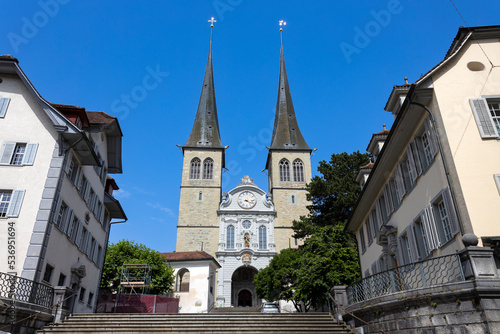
(203, 153)
(288, 164)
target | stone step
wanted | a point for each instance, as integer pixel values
(248, 323)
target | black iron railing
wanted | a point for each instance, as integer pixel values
(25, 290)
(435, 271)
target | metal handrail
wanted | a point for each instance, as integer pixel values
(25, 290)
(431, 272)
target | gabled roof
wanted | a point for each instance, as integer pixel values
(189, 256)
(111, 124)
(68, 109)
(286, 132)
(205, 132)
(74, 137)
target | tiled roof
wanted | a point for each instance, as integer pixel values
(66, 106)
(183, 256)
(8, 57)
(100, 117)
(112, 182)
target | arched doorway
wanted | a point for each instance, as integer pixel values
(242, 287)
(245, 298)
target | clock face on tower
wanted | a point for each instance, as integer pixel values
(247, 200)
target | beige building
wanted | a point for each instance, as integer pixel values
(56, 200)
(244, 227)
(436, 173)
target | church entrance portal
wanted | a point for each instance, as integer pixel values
(244, 298)
(242, 287)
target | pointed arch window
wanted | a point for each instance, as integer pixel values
(284, 170)
(298, 170)
(183, 277)
(230, 237)
(208, 169)
(262, 237)
(194, 172)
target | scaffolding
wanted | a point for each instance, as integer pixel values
(136, 277)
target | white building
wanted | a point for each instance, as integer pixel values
(246, 243)
(56, 198)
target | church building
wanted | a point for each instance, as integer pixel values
(243, 228)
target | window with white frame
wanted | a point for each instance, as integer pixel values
(10, 203)
(208, 169)
(444, 216)
(487, 114)
(4, 103)
(230, 237)
(298, 170)
(262, 237)
(284, 170)
(19, 154)
(194, 171)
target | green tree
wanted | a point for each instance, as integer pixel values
(329, 254)
(278, 280)
(334, 194)
(125, 252)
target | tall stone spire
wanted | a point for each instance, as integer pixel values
(286, 132)
(205, 132)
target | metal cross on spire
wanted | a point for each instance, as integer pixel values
(282, 23)
(212, 20)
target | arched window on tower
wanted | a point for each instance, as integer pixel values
(194, 172)
(284, 170)
(208, 169)
(183, 277)
(298, 170)
(230, 237)
(262, 237)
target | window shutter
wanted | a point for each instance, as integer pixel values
(411, 161)
(29, 156)
(497, 181)
(430, 228)
(101, 214)
(87, 191)
(374, 268)
(401, 259)
(450, 209)
(55, 208)
(69, 157)
(68, 221)
(483, 118)
(15, 203)
(410, 233)
(416, 158)
(430, 135)
(8, 150)
(378, 211)
(419, 147)
(4, 103)
(388, 200)
(400, 182)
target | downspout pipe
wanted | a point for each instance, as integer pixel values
(445, 165)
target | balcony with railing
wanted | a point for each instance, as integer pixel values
(20, 289)
(423, 274)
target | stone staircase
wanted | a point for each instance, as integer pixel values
(231, 322)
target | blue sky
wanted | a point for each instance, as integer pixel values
(144, 63)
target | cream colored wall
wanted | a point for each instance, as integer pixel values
(286, 211)
(476, 159)
(195, 212)
(24, 122)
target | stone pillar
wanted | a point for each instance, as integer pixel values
(62, 298)
(339, 293)
(478, 263)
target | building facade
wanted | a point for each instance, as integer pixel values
(56, 200)
(432, 195)
(246, 226)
